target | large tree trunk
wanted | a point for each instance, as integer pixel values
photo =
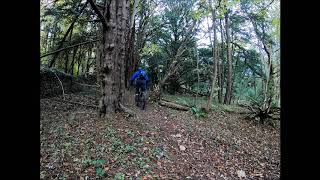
(215, 59)
(229, 58)
(112, 62)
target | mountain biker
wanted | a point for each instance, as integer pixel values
(142, 80)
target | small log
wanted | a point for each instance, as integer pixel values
(167, 100)
(173, 105)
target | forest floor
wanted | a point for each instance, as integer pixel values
(160, 143)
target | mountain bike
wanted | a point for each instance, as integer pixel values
(140, 98)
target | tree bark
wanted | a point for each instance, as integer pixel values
(112, 62)
(229, 59)
(214, 55)
(221, 64)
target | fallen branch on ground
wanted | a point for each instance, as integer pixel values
(127, 110)
(173, 105)
(167, 100)
(61, 85)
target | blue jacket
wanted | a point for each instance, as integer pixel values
(137, 74)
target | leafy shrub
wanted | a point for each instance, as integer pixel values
(119, 176)
(198, 112)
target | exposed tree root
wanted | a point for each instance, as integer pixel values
(127, 110)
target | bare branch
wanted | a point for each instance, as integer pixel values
(66, 34)
(97, 11)
(60, 84)
(69, 47)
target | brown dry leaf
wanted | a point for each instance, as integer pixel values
(106, 168)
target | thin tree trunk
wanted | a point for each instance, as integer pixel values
(66, 62)
(229, 77)
(80, 55)
(52, 42)
(221, 64)
(198, 76)
(233, 74)
(79, 62)
(255, 86)
(219, 83)
(88, 61)
(130, 44)
(67, 54)
(214, 55)
(73, 60)
(130, 54)
(134, 11)
(54, 34)
(46, 39)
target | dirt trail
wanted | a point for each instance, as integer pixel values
(160, 143)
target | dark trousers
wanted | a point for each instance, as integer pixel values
(140, 84)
